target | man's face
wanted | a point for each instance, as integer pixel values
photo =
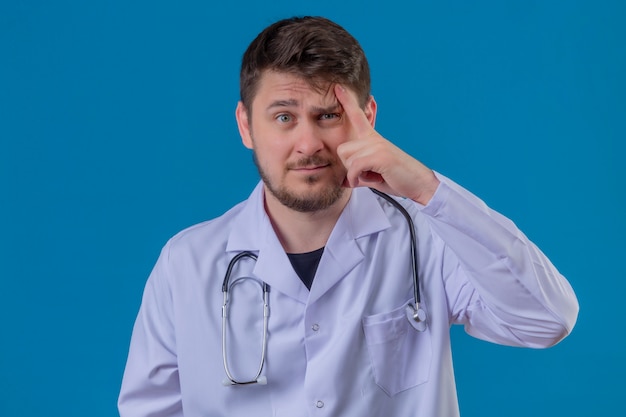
(294, 131)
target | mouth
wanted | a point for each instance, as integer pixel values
(310, 168)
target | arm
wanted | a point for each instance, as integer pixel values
(498, 283)
(150, 386)
(515, 295)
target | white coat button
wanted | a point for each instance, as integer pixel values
(319, 404)
(315, 327)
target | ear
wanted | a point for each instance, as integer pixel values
(370, 110)
(243, 123)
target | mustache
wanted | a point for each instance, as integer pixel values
(314, 160)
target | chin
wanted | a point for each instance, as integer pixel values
(311, 199)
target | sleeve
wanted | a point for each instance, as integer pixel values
(499, 285)
(150, 386)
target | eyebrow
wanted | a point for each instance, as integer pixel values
(333, 108)
(283, 103)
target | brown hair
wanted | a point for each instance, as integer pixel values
(314, 48)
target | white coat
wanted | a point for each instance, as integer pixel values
(345, 348)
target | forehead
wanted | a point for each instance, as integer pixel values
(281, 86)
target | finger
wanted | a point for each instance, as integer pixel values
(360, 162)
(352, 110)
(359, 178)
(370, 179)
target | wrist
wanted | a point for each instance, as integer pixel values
(427, 189)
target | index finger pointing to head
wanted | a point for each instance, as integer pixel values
(351, 108)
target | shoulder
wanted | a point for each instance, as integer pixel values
(211, 233)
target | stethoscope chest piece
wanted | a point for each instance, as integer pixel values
(416, 317)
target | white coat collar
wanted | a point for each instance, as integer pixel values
(252, 231)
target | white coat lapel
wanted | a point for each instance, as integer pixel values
(362, 216)
(252, 231)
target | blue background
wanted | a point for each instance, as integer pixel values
(117, 130)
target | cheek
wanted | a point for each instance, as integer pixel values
(271, 153)
(274, 149)
(268, 140)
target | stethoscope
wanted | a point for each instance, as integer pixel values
(414, 313)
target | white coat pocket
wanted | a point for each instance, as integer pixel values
(400, 355)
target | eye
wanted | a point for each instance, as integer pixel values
(329, 116)
(284, 118)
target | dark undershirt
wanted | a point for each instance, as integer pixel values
(305, 265)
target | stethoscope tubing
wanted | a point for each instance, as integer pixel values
(414, 258)
(266, 313)
(415, 314)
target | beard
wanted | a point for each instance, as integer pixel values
(311, 201)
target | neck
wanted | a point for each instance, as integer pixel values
(300, 232)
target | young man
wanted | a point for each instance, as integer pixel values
(337, 333)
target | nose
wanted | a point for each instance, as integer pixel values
(308, 140)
